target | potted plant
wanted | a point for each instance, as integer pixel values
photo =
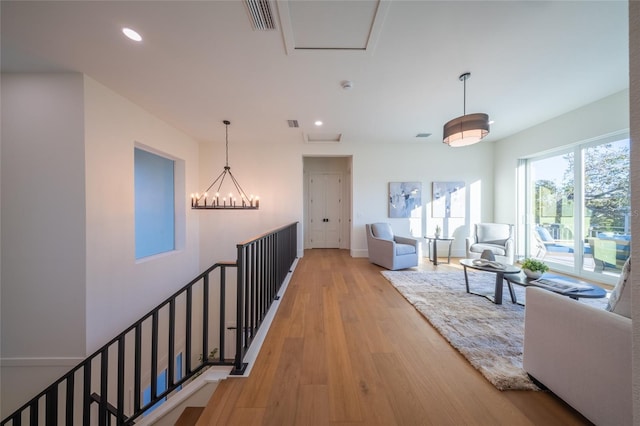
(533, 268)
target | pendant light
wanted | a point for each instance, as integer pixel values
(218, 201)
(466, 129)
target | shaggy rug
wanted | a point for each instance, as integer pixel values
(490, 336)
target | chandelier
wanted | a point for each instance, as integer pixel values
(466, 129)
(230, 201)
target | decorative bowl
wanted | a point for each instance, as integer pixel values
(532, 274)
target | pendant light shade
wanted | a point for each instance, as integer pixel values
(466, 129)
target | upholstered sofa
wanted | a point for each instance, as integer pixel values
(388, 250)
(582, 353)
(495, 237)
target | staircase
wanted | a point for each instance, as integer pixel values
(171, 345)
(189, 416)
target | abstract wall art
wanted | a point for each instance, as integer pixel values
(405, 199)
(448, 199)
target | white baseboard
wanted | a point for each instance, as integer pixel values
(359, 253)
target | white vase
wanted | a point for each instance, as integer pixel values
(532, 274)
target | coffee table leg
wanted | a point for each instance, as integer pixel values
(466, 278)
(498, 293)
(514, 299)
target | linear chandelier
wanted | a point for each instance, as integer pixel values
(220, 202)
(466, 129)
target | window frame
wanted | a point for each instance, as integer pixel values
(525, 202)
(179, 209)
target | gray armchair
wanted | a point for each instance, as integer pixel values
(496, 237)
(388, 250)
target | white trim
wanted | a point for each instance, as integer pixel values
(359, 253)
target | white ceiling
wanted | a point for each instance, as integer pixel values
(201, 62)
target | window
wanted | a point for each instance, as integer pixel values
(161, 385)
(154, 203)
(578, 209)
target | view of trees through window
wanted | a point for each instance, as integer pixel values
(587, 189)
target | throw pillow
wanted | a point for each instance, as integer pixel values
(382, 230)
(620, 299)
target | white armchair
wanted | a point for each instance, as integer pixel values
(388, 250)
(495, 237)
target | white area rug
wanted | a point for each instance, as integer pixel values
(490, 336)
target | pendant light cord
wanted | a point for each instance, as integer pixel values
(464, 96)
(226, 131)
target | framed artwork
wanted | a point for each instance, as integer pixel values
(448, 199)
(405, 199)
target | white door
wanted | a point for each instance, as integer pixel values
(325, 210)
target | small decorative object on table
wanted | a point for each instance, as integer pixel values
(488, 255)
(438, 230)
(533, 268)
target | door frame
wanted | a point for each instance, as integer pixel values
(330, 164)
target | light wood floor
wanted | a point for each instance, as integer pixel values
(346, 348)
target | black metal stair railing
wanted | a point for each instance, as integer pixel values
(176, 340)
(263, 264)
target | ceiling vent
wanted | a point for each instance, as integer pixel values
(293, 123)
(261, 14)
(423, 135)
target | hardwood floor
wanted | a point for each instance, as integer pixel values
(346, 348)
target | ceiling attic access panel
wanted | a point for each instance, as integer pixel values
(331, 25)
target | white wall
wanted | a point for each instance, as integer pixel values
(604, 117)
(276, 170)
(43, 231)
(634, 85)
(120, 289)
(270, 169)
(70, 280)
(375, 166)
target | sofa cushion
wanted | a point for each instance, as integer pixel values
(480, 247)
(382, 230)
(405, 249)
(492, 233)
(620, 298)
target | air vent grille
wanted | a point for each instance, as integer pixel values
(261, 14)
(293, 123)
(423, 135)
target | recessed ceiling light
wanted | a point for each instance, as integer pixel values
(318, 123)
(491, 121)
(132, 34)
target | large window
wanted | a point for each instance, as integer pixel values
(578, 208)
(154, 204)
